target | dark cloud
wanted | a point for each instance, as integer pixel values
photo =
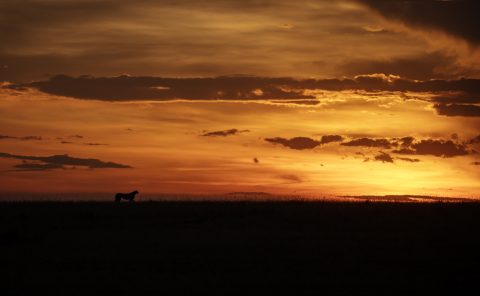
(409, 146)
(291, 178)
(75, 136)
(381, 82)
(368, 142)
(255, 160)
(31, 138)
(475, 140)
(456, 98)
(406, 141)
(87, 144)
(127, 88)
(458, 18)
(457, 110)
(30, 166)
(124, 88)
(331, 138)
(25, 138)
(224, 133)
(425, 66)
(299, 102)
(476, 163)
(404, 151)
(95, 144)
(408, 159)
(440, 148)
(405, 145)
(384, 157)
(297, 143)
(302, 143)
(60, 161)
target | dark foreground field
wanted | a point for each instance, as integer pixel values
(172, 248)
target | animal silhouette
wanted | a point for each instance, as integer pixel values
(128, 196)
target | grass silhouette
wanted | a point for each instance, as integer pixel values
(238, 248)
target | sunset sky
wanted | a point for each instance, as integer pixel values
(307, 97)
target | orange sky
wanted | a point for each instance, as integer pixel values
(371, 103)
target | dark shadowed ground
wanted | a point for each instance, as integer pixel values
(235, 248)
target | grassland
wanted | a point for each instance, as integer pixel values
(239, 248)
